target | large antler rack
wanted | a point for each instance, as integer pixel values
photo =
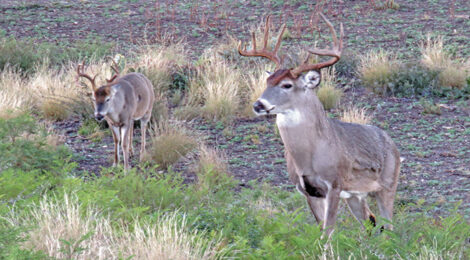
(334, 52)
(81, 73)
(272, 55)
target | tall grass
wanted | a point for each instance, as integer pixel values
(215, 87)
(168, 144)
(256, 86)
(63, 229)
(355, 115)
(160, 64)
(53, 93)
(452, 72)
(377, 69)
(212, 170)
(327, 92)
(15, 94)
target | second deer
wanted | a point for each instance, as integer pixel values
(120, 101)
(326, 159)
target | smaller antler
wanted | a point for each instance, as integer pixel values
(272, 55)
(114, 67)
(334, 52)
(80, 72)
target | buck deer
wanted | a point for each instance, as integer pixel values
(121, 101)
(326, 159)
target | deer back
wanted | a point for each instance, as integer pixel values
(142, 90)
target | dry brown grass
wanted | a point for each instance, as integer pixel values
(169, 143)
(215, 86)
(160, 63)
(212, 168)
(14, 93)
(53, 93)
(355, 115)
(328, 94)
(376, 69)
(61, 227)
(452, 72)
(256, 86)
(433, 55)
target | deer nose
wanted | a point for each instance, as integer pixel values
(258, 107)
(99, 117)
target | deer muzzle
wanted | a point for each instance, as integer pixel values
(98, 116)
(262, 107)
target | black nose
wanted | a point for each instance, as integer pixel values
(99, 117)
(258, 107)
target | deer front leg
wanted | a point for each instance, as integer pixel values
(131, 135)
(117, 141)
(125, 144)
(331, 209)
(316, 205)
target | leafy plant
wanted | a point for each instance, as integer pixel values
(23, 145)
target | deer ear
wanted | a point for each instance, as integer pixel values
(312, 79)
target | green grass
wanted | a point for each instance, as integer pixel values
(259, 221)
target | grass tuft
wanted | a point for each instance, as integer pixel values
(328, 94)
(377, 69)
(168, 145)
(355, 115)
(212, 169)
(452, 73)
(65, 230)
(215, 86)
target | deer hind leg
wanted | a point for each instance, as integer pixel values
(131, 135)
(359, 208)
(117, 141)
(143, 127)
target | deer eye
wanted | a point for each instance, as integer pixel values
(107, 100)
(286, 86)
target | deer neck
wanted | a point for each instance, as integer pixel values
(304, 127)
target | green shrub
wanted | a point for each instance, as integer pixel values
(11, 239)
(23, 145)
(22, 55)
(347, 65)
(413, 80)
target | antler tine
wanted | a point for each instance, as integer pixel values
(266, 32)
(80, 73)
(334, 52)
(115, 68)
(271, 55)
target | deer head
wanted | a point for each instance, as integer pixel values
(287, 88)
(103, 95)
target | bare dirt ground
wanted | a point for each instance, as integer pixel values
(436, 148)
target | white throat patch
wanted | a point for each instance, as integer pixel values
(288, 118)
